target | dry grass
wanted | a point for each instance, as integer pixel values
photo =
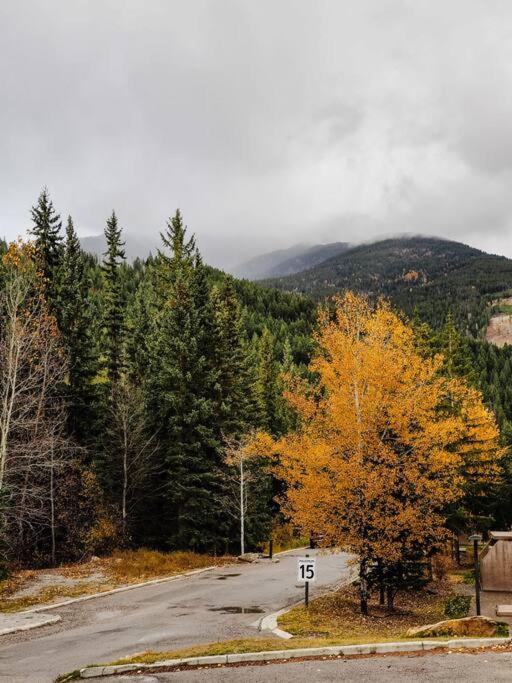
(119, 569)
(337, 616)
(16, 581)
(131, 566)
(286, 537)
(237, 646)
(50, 594)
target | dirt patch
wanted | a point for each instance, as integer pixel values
(49, 579)
(499, 330)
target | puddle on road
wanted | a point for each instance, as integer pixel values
(226, 576)
(254, 609)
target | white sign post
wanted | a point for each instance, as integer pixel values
(306, 572)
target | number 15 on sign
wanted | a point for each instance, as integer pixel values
(306, 572)
(306, 569)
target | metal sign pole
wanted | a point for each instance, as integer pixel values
(476, 538)
(477, 577)
(306, 592)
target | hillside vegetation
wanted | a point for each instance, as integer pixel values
(426, 275)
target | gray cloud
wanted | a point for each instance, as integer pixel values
(267, 122)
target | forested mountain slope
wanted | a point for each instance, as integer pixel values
(424, 274)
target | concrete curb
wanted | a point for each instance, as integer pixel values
(270, 621)
(332, 651)
(29, 620)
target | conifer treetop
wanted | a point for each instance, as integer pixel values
(115, 245)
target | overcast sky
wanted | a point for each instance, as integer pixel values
(269, 122)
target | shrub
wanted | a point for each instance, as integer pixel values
(441, 564)
(457, 606)
(286, 537)
(502, 630)
(469, 577)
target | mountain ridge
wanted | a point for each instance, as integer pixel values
(282, 262)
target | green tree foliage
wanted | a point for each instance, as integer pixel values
(454, 348)
(79, 338)
(232, 390)
(142, 314)
(267, 384)
(114, 304)
(46, 230)
(179, 395)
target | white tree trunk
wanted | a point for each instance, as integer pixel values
(125, 473)
(242, 508)
(52, 505)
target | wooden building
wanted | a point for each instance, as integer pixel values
(496, 562)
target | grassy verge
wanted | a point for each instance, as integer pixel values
(51, 594)
(241, 645)
(99, 575)
(337, 616)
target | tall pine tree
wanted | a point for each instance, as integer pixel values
(114, 304)
(267, 385)
(179, 395)
(46, 230)
(78, 337)
(232, 393)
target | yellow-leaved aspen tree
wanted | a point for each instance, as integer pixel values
(384, 442)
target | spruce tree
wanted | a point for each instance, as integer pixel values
(142, 315)
(267, 386)
(179, 396)
(182, 252)
(78, 338)
(114, 305)
(285, 416)
(232, 394)
(48, 243)
(256, 406)
(455, 350)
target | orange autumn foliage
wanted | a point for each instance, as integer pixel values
(384, 442)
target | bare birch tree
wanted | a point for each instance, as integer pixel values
(132, 448)
(239, 458)
(33, 446)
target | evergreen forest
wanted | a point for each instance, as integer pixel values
(124, 385)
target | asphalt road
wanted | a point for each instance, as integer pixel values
(488, 667)
(216, 605)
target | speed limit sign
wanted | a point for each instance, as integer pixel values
(306, 569)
